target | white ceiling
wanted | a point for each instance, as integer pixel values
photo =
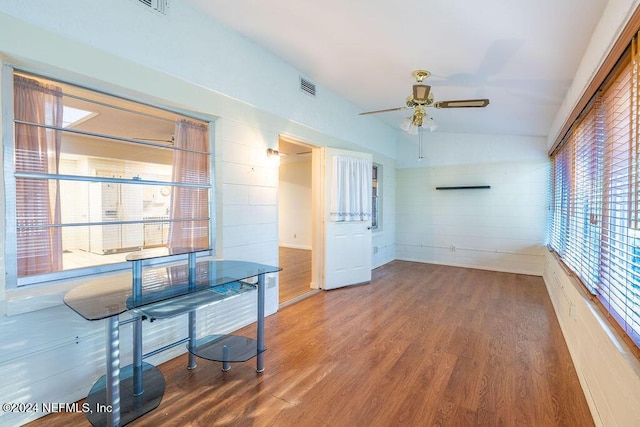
(521, 54)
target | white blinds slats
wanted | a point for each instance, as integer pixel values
(595, 199)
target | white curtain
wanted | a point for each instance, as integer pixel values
(350, 189)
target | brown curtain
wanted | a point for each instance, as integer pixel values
(37, 150)
(189, 215)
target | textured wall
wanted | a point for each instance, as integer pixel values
(501, 228)
(182, 61)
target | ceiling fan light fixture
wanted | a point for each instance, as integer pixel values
(431, 124)
(410, 125)
(406, 124)
(418, 116)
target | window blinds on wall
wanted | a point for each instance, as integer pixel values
(594, 225)
(617, 284)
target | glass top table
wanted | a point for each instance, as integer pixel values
(166, 291)
(156, 292)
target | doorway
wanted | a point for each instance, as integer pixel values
(295, 220)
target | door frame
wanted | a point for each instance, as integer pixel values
(317, 204)
(317, 215)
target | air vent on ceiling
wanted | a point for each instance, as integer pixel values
(307, 86)
(159, 6)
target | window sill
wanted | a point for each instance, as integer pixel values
(34, 298)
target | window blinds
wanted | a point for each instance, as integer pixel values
(594, 224)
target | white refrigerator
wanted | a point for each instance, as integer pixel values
(110, 202)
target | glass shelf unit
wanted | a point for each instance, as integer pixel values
(161, 291)
(176, 301)
(238, 348)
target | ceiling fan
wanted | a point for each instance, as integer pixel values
(421, 98)
(170, 141)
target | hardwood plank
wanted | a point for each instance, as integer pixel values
(421, 344)
(295, 278)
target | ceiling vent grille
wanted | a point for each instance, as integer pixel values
(307, 86)
(159, 6)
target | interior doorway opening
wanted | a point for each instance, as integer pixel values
(295, 220)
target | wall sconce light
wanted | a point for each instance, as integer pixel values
(273, 156)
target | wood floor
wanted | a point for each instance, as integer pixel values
(295, 277)
(421, 345)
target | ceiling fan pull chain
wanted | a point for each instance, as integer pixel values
(420, 156)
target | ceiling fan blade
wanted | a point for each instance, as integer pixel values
(154, 139)
(384, 111)
(462, 103)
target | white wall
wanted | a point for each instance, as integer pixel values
(294, 204)
(183, 61)
(608, 370)
(501, 228)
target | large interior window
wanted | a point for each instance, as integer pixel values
(595, 186)
(95, 177)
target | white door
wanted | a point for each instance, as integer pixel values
(347, 244)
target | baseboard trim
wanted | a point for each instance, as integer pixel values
(306, 295)
(288, 246)
(479, 267)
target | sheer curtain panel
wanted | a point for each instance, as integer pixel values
(189, 212)
(38, 119)
(350, 189)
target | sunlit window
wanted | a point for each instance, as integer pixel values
(596, 197)
(96, 177)
(74, 116)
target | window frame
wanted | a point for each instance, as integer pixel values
(607, 270)
(376, 202)
(9, 219)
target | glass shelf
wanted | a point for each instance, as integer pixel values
(112, 295)
(240, 348)
(176, 301)
(131, 407)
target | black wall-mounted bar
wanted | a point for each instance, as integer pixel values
(465, 187)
